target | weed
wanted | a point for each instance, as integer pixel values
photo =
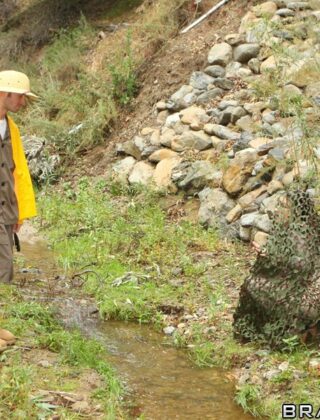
(124, 80)
(14, 389)
(248, 397)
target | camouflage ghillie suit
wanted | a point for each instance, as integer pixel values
(281, 297)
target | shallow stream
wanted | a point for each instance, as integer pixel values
(162, 381)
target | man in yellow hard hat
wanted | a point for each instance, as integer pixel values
(17, 200)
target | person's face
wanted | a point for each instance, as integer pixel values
(13, 102)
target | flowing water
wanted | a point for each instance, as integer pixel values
(162, 381)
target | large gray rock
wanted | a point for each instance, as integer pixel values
(220, 54)
(263, 222)
(180, 171)
(215, 71)
(304, 72)
(221, 132)
(254, 65)
(198, 140)
(183, 98)
(172, 120)
(226, 103)
(243, 53)
(232, 69)
(272, 203)
(298, 5)
(223, 83)
(248, 219)
(201, 174)
(214, 204)
(285, 12)
(200, 80)
(231, 114)
(211, 94)
(129, 148)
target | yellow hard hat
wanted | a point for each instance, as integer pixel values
(15, 82)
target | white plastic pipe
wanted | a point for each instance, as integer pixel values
(203, 17)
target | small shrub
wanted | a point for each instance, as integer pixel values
(124, 80)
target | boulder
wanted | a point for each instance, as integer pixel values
(215, 71)
(221, 132)
(235, 178)
(220, 54)
(312, 91)
(285, 12)
(261, 239)
(183, 98)
(245, 52)
(234, 214)
(214, 204)
(211, 94)
(163, 172)
(266, 9)
(239, 171)
(200, 80)
(167, 134)
(194, 116)
(298, 5)
(197, 140)
(271, 204)
(172, 120)
(231, 115)
(201, 174)
(223, 83)
(161, 154)
(129, 148)
(142, 173)
(122, 168)
(304, 72)
(268, 65)
(247, 220)
(232, 69)
(254, 65)
(226, 103)
(248, 20)
(235, 39)
(246, 123)
(263, 222)
(249, 198)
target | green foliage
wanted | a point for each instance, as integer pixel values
(123, 77)
(120, 234)
(67, 49)
(15, 383)
(248, 397)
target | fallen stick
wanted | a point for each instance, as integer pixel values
(203, 17)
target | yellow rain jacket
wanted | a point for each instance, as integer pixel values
(22, 179)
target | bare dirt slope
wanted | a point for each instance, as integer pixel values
(163, 74)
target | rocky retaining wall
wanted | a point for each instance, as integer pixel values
(257, 102)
